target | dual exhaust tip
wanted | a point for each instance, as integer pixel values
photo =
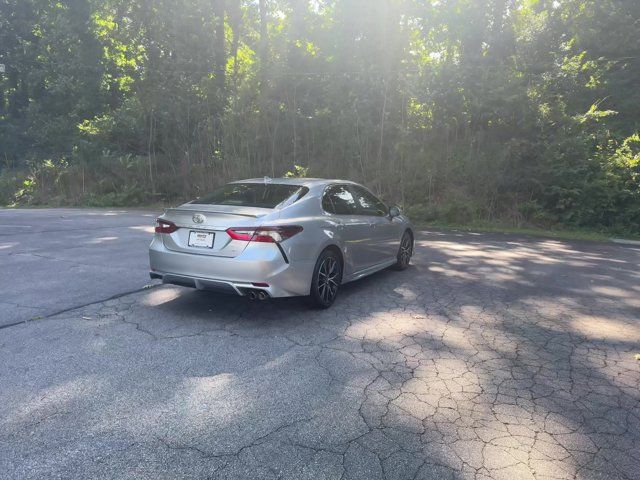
(257, 295)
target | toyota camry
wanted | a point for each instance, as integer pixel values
(265, 238)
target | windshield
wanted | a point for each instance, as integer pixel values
(262, 195)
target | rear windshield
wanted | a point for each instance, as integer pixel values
(263, 195)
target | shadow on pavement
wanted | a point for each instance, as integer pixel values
(489, 358)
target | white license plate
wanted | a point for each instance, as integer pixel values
(201, 239)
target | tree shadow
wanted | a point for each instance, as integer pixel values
(488, 357)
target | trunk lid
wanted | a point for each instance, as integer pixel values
(211, 219)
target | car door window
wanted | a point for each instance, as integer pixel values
(339, 200)
(368, 204)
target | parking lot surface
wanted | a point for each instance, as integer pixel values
(56, 259)
(492, 356)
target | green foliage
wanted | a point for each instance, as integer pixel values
(10, 183)
(297, 172)
(531, 211)
(525, 111)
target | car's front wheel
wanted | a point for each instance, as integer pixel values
(327, 276)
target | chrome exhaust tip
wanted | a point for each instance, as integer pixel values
(252, 295)
(262, 295)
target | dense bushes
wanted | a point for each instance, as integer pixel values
(523, 112)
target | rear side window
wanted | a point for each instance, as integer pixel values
(339, 200)
(368, 203)
(262, 195)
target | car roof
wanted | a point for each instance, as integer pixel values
(295, 181)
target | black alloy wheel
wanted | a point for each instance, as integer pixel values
(404, 252)
(327, 276)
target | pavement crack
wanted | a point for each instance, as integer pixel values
(80, 306)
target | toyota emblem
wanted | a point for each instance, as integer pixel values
(198, 218)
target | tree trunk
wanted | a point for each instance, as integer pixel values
(221, 57)
(383, 114)
(235, 21)
(263, 150)
(263, 42)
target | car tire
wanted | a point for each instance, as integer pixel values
(405, 251)
(327, 276)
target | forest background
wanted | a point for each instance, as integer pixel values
(525, 112)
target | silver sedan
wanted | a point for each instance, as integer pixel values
(267, 237)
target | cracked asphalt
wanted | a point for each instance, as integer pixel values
(492, 356)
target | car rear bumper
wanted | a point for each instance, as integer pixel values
(258, 263)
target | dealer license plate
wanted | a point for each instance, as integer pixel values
(201, 239)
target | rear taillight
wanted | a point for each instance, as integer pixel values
(165, 226)
(264, 234)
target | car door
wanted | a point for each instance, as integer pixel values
(384, 230)
(353, 230)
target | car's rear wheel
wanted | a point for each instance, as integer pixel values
(327, 276)
(404, 251)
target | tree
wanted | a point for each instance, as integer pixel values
(523, 111)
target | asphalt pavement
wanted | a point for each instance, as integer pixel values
(492, 356)
(56, 259)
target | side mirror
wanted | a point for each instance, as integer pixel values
(394, 211)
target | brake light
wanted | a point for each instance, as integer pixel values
(264, 234)
(165, 226)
